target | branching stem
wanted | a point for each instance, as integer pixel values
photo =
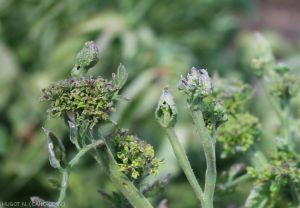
(63, 188)
(122, 183)
(84, 150)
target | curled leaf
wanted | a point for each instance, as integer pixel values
(73, 133)
(56, 150)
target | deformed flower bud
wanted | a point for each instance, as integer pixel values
(86, 58)
(166, 111)
(197, 83)
(87, 99)
(197, 86)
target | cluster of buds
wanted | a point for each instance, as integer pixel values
(197, 86)
(135, 158)
(282, 170)
(284, 85)
(242, 129)
(85, 99)
(239, 133)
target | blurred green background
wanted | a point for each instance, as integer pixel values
(157, 41)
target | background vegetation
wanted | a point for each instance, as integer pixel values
(157, 41)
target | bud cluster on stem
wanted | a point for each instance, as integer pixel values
(208, 114)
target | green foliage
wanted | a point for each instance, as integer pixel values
(282, 168)
(242, 129)
(234, 95)
(285, 86)
(279, 178)
(239, 133)
(157, 41)
(135, 158)
(83, 99)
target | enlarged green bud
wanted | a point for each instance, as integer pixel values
(56, 150)
(166, 111)
(86, 58)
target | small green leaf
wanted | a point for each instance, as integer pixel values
(56, 150)
(120, 78)
(54, 183)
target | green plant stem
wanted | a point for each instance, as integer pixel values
(295, 195)
(209, 151)
(273, 103)
(122, 183)
(287, 127)
(185, 164)
(237, 181)
(284, 119)
(63, 188)
(84, 150)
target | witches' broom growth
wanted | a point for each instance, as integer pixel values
(86, 104)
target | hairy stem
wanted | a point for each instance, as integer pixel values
(209, 151)
(122, 183)
(185, 164)
(84, 150)
(63, 188)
